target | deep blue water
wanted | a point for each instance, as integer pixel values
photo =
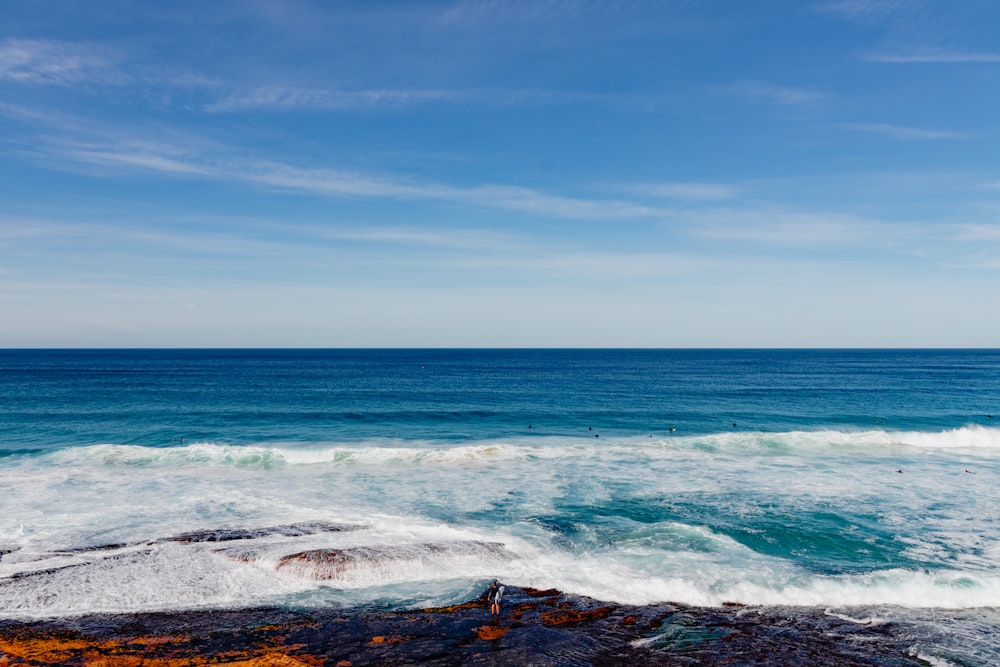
(66, 398)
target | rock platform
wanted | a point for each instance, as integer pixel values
(536, 627)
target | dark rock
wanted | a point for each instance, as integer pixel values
(100, 547)
(291, 530)
(571, 631)
(226, 535)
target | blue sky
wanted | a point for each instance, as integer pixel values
(816, 173)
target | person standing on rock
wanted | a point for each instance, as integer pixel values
(495, 596)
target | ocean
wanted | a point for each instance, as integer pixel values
(865, 483)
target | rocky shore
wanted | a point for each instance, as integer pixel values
(535, 628)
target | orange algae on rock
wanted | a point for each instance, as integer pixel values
(450, 609)
(60, 647)
(269, 660)
(155, 641)
(43, 649)
(491, 632)
(265, 660)
(386, 639)
(574, 616)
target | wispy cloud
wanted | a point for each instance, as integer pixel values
(867, 10)
(935, 57)
(285, 98)
(144, 159)
(460, 239)
(561, 16)
(973, 262)
(902, 131)
(978, 232)
(679, 190)
(586, 265)
(25, 113)
(783, 95)
(776, 226)
(40, 61)
(467, 12)
(175, 161)
(533, 201)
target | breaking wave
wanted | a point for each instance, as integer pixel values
(973, 440)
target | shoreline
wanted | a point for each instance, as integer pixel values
(534, 628)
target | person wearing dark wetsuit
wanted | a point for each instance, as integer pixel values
(495, 595)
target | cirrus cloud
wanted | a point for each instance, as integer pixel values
(49, 62)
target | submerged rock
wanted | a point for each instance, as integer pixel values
(335, 564)
(534, 628)
(290, 530)
(221, 535)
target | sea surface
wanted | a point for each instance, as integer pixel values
(865, 483)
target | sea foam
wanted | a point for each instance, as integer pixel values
(974, 440)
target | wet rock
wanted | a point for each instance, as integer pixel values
(291, 530)
(221, 535)
(570, 631)
(535, 593)
(100, 547)
(335, 564)
(50, 572)
(576, 617)
(491, 632)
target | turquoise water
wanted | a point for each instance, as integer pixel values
(861, 482)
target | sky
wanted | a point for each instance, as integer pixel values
(509, 173)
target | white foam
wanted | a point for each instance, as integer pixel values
(971, 439)
(714, 584)
(171, 575)
(394, 551)
(933, 661)
(168, 577)
(533, 495)
(856, 621)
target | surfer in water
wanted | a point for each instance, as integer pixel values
(495, 595)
